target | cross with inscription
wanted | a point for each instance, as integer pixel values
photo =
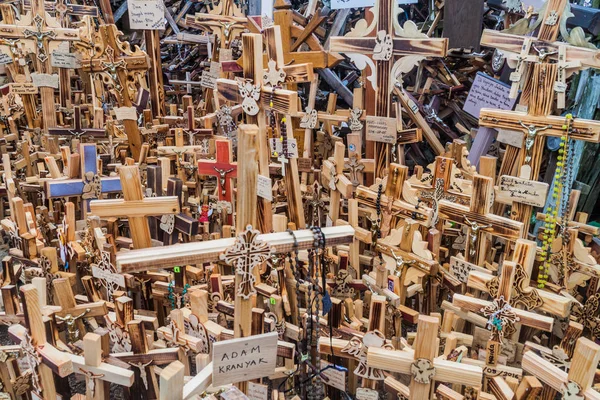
(376, 45)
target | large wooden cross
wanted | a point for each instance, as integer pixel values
(376, 45)
(135, 207)
(90, 186)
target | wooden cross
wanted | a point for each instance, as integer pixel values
(332, 176)
(135, 207)
(91, 186)
(182, 223)
(226, 21)
(479, 219)
(378, 44)
(115, 68)
(577, 383)
(180, 149)
(107, 274)
(77, 131)
(223, 168)
(62, 8)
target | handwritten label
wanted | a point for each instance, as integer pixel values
(256, 391)
(5, 58)
(45, 80)
(366, 394)
(209, 78)
(337, 378)
(146, 14)
(381, 129)
(22, 88)
(108, 276)
(487, 92)
(304, 164)
(244, 359)
(513, 189)
(65, 60)
(264, 187)
(460, 269)
(125, 113)
(513, 138)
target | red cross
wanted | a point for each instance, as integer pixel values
(223, 168)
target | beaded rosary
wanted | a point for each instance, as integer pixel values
(562, 180)
(172, 294)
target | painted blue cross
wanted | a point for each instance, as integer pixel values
(91, 186)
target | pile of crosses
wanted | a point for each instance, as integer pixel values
(235, 237)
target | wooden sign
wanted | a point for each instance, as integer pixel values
(256, 391)
(45, 80)
(146, 14)
(513, 189)
(381, 129)
(487, 92)
(244, 359)
(337, 378)
(460, 269)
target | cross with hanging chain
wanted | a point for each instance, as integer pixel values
(247, 253)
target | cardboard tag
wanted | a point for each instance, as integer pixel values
(337, 379)
(125, 113)
(65, 60)
(209, 78)
(513, 189)
(146, 14)
(22, 88)
(381, 129)
(256, 391)
(264, 187)
(244, 359)
(45, 80)
(304, 164)
(513, 138)
(487, 92)
(5, 58)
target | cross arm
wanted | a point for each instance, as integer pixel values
(526, 318)
(500, 226)
(135, 208)
(582, 129)
(401, 208)
(157, 356)
(74, 187)
(513, 43)
(553, 303)
(110, 373)
(201, 252)
(401, 47)
(17, 32)
(132, 63)
(445, 371)
(284, 101)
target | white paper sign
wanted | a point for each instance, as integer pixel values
(146, 14)
(65, 60)
(125, 113)
(209, 78)
(5, 58)
(366, 394)
(45, 80)
(256, 391)
(337, 379)
(487, 92)
(244, 359)
(264, 187)
(513, 189)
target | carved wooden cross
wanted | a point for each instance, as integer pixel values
(479, 219)
(173, 225)
(107, 274)
(380, 42)
(77, 131)
(135, 207)
(226, 21)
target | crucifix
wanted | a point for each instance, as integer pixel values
(479, 219)
(106, 273)
(179, 150)
(90, 187)
(135, 207)
(225, 20)
(120, 68)
(174, 224)
(77, 131)
(376, 45)
(223, 168)
(332, 176)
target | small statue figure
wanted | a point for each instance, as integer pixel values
(532, 132)
(475, 228)
(73, 333)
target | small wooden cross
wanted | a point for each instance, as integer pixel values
(77, 131)
(223, 168)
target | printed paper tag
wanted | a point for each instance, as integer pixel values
(487, 92)
(264, 187)
(125, 113)
(5, 58)
(45, 80)
(146, 14)
(381, 129)
(65, 60)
